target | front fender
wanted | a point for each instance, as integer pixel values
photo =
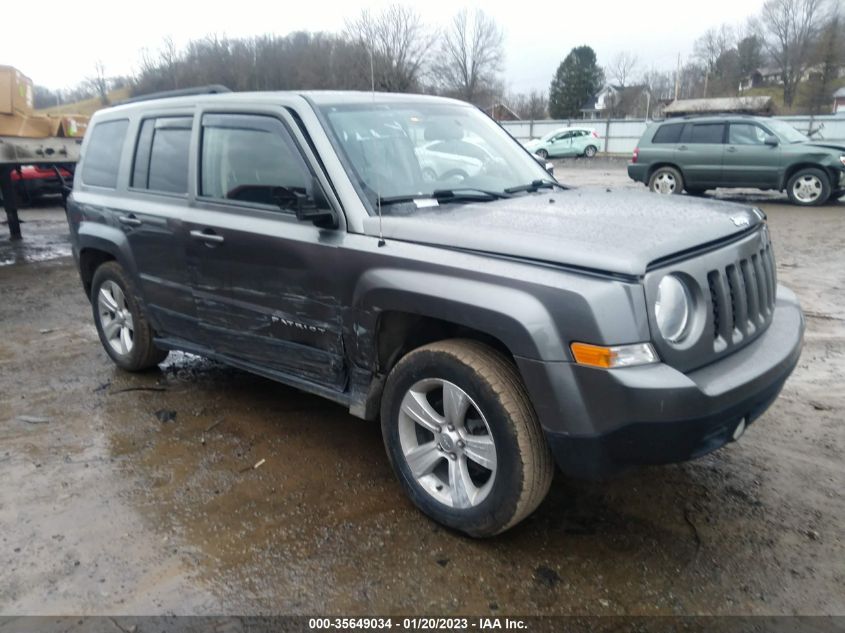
(510, 315)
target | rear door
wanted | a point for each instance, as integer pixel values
(748, 161)
(264, 282)
(151, 214)
(700, 153)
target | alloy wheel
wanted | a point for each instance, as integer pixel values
(447, 443)
(807, 189)
(665, 183)
(116, 318)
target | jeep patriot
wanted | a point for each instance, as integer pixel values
(402, 255)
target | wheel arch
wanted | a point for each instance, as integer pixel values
(793, 169)
(655, 166)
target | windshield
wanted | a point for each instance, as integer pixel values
(786, 132)
(401, 150)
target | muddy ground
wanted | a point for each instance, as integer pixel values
(136, 494)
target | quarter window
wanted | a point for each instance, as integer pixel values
(746, 134)
(162, 153)
(102, 156)
(251, 158)
(707, 133)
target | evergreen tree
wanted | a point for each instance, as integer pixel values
(577, 79)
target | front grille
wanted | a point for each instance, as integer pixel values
(742, 296)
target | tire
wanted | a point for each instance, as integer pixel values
(542, 154)
(838, 193)
(429, 175)
(123, 329)
(498, 424)
(808, 187)
(590, 151)
(666, 180)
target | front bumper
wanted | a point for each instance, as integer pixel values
(599, 422)
(637, 172)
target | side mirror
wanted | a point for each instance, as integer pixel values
(314, 207)
(547, 165)
(772, 140)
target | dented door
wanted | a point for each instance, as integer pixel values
(263, 290)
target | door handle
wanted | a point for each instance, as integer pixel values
(209, 237)
(129, 220)
(731, 149)
(682, 147)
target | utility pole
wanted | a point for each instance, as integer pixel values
(678, 77)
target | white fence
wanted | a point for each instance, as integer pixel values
(620, 136)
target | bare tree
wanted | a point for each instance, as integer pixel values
(714, 49)
(791, 27)
(531, 105)
(828, 56)
(98, 82)
(622, 68)
(470, 57)
(397, 41)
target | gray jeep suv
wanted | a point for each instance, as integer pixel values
(492, 319)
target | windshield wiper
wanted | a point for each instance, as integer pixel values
(534, 185)
(448, 195)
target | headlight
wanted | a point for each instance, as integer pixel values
(672, 308)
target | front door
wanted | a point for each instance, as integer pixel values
(748, 161)
(700, 152)
(561, 145)
(264, 282)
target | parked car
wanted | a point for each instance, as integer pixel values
(568, 141)
(493, 327)
(440, 161)
(701, 153)
(34, 181)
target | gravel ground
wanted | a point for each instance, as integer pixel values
(136, 494)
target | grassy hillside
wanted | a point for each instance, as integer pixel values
(88, 106)
(802, 98)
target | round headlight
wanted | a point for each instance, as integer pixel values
(672, 308)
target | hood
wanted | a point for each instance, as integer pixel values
(824, 145)
(532, 144)
(599, 229)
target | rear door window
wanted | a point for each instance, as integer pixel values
(102, 156)
(162, 154)
(711, 133)
(668, 133)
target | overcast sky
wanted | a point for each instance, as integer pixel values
(62, 48)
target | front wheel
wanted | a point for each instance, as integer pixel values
(124, 331)
(463, 438)
(590, 152)
(542, 154)
(808, 187)
(666, 181)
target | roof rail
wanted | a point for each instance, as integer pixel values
(183, 92)
(710, 114)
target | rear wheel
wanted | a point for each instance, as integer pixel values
(124, 331)
(666, 181)
(463, 438)
(808, 187)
